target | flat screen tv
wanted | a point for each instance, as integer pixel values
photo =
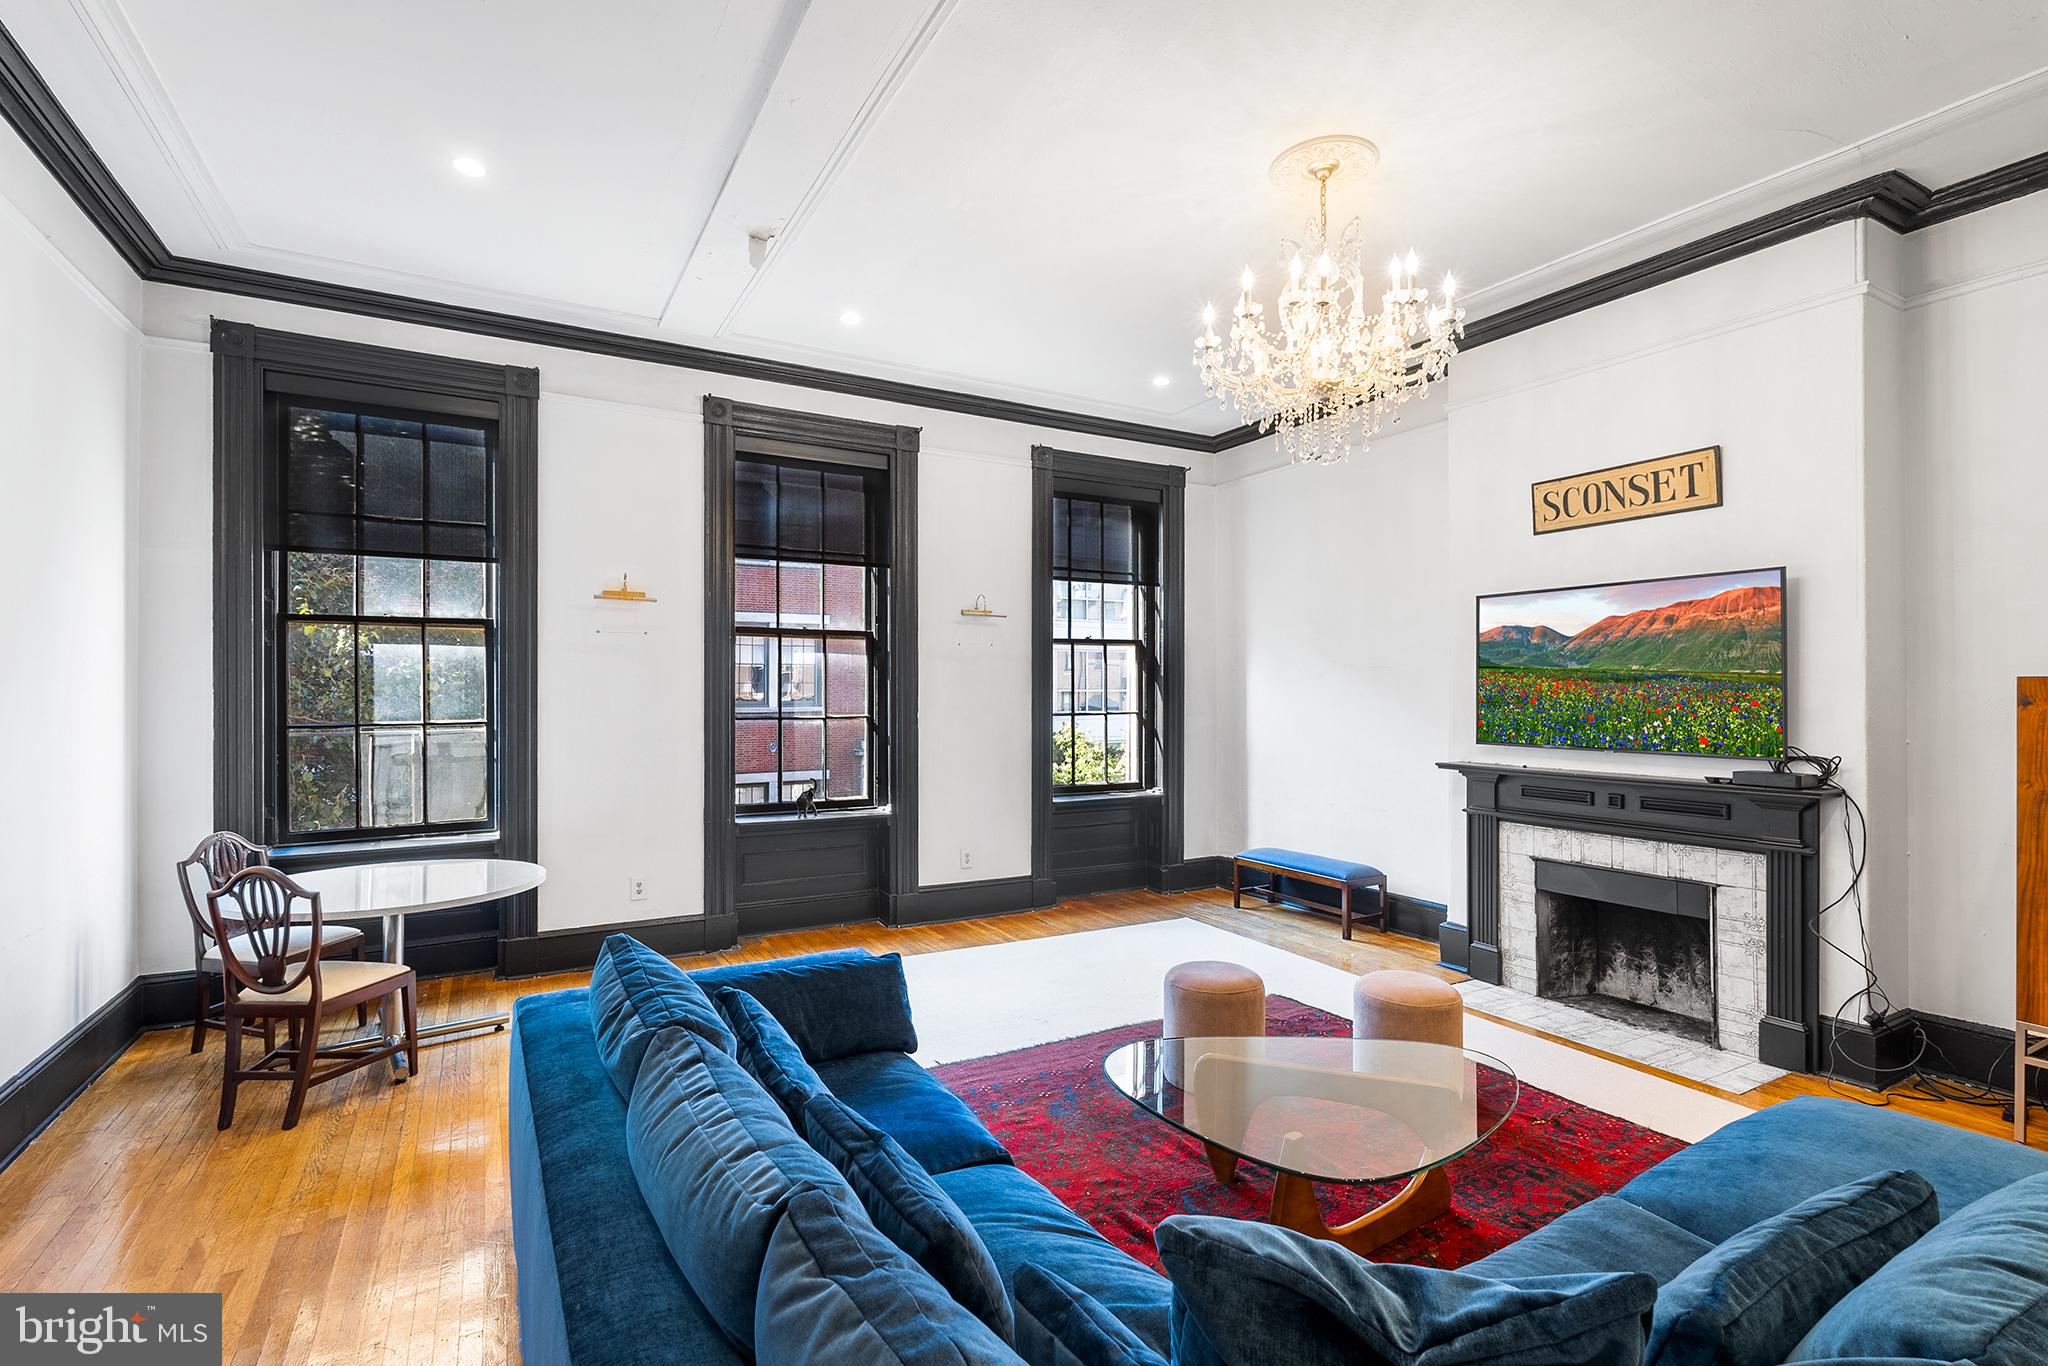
(1653, 666)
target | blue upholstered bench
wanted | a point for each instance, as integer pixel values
(1283, 865)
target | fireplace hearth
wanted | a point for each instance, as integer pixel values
(1670, 904)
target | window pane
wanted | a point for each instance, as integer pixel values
(1063, 753)
(1085, 525)
(319, 672)
(846, 514)
(803, 748)
(846, 760)
(1119, 544)
(1062, 518)
(1060, 624)
(392, 451)
(457, 689)
(1086, 620)
(1090, 678)
(458, 774)
(803, 594)
(750, 672)
(391, 776)
(455, 588)
(749, 794)
(322, 585)
(1121, 687)
(457, 491)
(846, 596)
(391, 588)
(391, 673)
(320, 779)
(753, 592)
(1089, 746)
(846, 678)
(753, 506)
(753, 747)
(1062, 678)
(320, 474)
(1119, 620)
(1120, 752)
(801, 523)
(803, 681)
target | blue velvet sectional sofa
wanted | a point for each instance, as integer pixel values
(610, 1108)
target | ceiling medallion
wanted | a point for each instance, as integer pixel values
(1333, 373)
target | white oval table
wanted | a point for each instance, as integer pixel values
(391, 892)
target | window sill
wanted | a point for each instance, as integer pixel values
(477, 843)
(1084, 798)
(871, 814)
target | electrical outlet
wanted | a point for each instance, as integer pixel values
(636, 889)
(966, 858)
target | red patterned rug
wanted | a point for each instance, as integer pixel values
(1125, 1171)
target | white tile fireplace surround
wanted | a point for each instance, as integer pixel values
(1737, 939)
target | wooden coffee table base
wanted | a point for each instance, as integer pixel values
(1421, 1200)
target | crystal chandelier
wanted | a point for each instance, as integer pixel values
(1334, 372)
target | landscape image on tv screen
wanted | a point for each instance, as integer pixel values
(1658, 666)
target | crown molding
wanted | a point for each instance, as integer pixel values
(1891, 198)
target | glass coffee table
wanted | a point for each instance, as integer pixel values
(1333, 1111)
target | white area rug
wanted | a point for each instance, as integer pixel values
(970, 1003)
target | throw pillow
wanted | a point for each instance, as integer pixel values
(765, 1049)
(1061, 1325)
(1750, 1300)
(1975, 1289)
(1247, 1294)
(634, 994)
(910, 1209)
(834, 1290)
(833, 1004)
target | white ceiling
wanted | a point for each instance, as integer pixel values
(1028, 198)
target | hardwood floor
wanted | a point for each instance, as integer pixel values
(379, 1230)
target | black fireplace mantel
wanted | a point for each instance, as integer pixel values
(1782, 824)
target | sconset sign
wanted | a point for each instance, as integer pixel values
(1685, 482)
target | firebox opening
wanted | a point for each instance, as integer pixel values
(1648, 968)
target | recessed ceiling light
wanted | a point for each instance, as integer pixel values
(850, 318)
(1161, 381)
(468, 166)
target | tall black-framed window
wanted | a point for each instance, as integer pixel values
(396, 555)
(382, 580)
(809, 635)
(1105, 631)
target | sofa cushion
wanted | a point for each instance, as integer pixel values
(634, 993)
(833, 1004)
(717, 1161)
(910, 1209)
(834, 1290)
(1248, 1293)
(1975, 1289)
(1021, 1221)
(1061, 1325)
(596, 1284)
(1765, 1163)
(770, 1056)
(907, 1103)
(1607, 1234)
(1749, 1301)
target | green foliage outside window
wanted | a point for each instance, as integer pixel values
(1089, 762)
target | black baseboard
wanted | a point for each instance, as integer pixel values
(1192, 875)
(569, 950)
(1454, 946)
(1877, 1058)
(39, 1093)
(966, 901)
(1972, 1053)
(1416, 918)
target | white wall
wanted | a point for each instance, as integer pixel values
(621, 761)
(1360, 579)
(70, 371)
(1976, 592)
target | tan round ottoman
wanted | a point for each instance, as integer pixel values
(1397, 1004)
(1211, 1000)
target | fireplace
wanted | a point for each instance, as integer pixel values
(1635, 949)
(1611, 864)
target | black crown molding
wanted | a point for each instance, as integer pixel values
(1892, 198)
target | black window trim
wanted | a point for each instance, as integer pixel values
(250, 365)
(1135, 481)
(731, 428)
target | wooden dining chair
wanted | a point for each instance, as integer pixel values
(253, 918)
(207, 869)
